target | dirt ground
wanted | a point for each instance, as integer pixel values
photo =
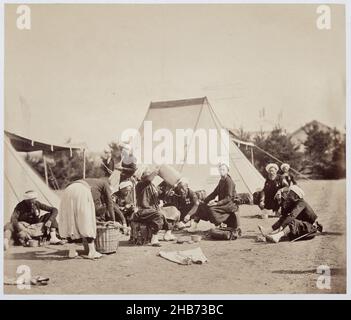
(233, 267)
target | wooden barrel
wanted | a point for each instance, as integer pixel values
(169, 174)
(107, 239)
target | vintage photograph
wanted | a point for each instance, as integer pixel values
(187, 149)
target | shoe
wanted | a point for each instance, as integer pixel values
(274, 237)
(238, 232)
(6, 244)
(57, 242)
(154, 241)
(193, 227)
(93, 256)
(261, 230)
(169, 236)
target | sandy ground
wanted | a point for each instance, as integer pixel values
(241, 266)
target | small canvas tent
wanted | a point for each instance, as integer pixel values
(20, 177)
(198, 114)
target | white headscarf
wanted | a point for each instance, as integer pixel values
(271, 165)
(30, 195)
(300, 193)
(285, 165)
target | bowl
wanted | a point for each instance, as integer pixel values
(195, 238)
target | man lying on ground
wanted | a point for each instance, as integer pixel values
(149, 210)
(298, 219)
(29, 221)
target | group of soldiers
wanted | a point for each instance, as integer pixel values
(87, 202)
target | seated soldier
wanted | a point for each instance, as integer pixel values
(124, 203)
(289, 178)
(273, 184)
(298, 219)
(224, 210)
(184, 199)
(149, 210)
(29, 221)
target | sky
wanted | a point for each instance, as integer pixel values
(87, 72)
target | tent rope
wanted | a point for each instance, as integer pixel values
(275, 158)
(260, 149)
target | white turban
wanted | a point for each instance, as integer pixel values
(125, 184)
(30, 195)
(300, 193)
(285, 165)
(223, 164)
(272, 165)
(125, 145)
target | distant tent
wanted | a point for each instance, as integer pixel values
(198, 114)
(20, 177)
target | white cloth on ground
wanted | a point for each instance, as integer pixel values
(185, 257)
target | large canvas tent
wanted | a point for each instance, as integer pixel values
(196, 114)
(20, 177)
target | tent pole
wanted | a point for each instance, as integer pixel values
(46, 170)
(83, 163)
(252, 156)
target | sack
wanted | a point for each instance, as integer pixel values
(223, 234)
